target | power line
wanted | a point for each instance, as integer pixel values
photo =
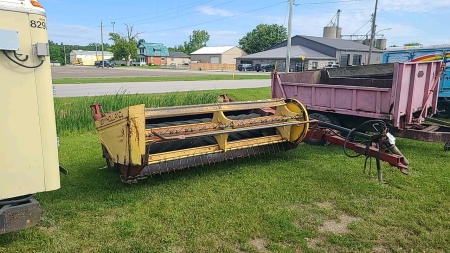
(146, 14)
(207, 22)
(362, 26)
(96, 26)
(343, 1)
(187, 14)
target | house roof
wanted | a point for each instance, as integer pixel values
(296, 53)
(213, 50)
(85, 52)
(154, 49)
(339, 44)
(178, 55)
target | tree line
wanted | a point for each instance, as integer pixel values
(61, 53)
(124, 46)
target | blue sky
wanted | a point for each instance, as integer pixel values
(171, 22)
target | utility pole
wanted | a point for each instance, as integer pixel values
(374, 17)
(103, 55)
(65, 62)
(288, 51)
(113, 23)
(337, 25)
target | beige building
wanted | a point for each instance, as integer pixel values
(178, 58)
(223, 55)
(88, 58)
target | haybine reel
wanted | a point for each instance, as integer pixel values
(139, 142)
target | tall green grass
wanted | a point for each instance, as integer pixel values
(74, 114)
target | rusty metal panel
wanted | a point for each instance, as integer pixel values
(136, 123)
(113, 133)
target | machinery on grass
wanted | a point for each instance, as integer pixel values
(139, 142)
(29, 148)
(403, 95)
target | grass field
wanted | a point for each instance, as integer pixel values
(158, 79)
(312, 199)
(75, 115)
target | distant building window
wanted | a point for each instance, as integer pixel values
(344, 60)
(151, 59)
(357, 59)
(171, 59)
(314, 64)
(141, 50)
(163, 58)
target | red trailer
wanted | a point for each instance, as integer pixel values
(404, 95)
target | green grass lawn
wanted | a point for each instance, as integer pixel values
(311, 199)
(159, 79)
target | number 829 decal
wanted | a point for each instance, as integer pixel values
(37, 24)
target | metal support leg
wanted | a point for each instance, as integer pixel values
(380, 172)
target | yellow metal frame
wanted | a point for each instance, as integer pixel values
(125, 138)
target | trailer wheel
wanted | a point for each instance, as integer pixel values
(324, 118)
(444, 106)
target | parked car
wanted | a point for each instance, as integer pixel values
(245, 67)
(108, 64)
(264, 67)
(334, 65)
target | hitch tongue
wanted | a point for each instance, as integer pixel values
(397, 151)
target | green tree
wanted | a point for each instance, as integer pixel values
(125, 46)
(412, 44)
(197, 40)
(55, 52)
(263, 37)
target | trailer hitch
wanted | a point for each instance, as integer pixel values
(380, 145)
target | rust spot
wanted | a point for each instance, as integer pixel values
(420, 74)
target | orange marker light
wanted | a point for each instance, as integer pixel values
(35, 3)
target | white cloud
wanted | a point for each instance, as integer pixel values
(215, 11)
(223, 38)
(413, 5)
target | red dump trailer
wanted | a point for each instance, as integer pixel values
(404, 95)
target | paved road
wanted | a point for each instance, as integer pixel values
(93, 72)
(78, 90)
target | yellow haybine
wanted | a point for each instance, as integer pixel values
(140, 142)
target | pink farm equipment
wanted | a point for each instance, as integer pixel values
(402, 95)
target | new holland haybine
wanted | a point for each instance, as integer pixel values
(139, 142)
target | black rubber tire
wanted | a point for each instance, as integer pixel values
(320, 117)
(444, 105)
